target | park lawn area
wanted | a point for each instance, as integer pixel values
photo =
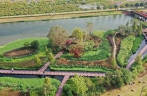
(126, 90)
(25, 84)
(19, 43)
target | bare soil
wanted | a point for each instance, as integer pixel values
(10, 92)
(19, 52)
(105, 63)
(118, 40)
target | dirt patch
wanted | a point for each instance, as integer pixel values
(118, 40)
(24, 64)
(10, 92)
(19, 52)
(105, 63)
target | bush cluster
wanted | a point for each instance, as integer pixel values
(137, 43)
(124, 52)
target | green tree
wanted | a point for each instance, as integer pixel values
(88, 45)
(58, 37)
(76, 50)
(116, 6)
(138, 59)
(121, 30)
(26, 44)
(48, 89)
(136, 4)
(78, 85)
(127, 5)
(89, 84)
(131, 5)
(140, 29)
(134, 26)
(142, 4)
(107, 81)
(51, 57)
(89, 27)
(78, 34)
(113, 62)
(37, 61)
(35, 44)
(85, 35)
(126, 76)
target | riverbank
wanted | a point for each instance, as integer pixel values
(24, 18)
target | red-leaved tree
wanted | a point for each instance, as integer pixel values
(76, 50)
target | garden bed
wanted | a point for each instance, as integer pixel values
(20, 52)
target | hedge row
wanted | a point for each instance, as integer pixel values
(124, 52)
(137, 43)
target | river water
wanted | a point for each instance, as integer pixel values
(19, 30)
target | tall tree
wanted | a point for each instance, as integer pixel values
(136, 4)
(51, 57)
(140, 29)
(121, 30)
(116, 6)
(89, 27)
(77, 34)
(48, 89)
(134, 26)
(76, 50)
(113, 62)
(37, 61)
(78, 85)
(58, 37)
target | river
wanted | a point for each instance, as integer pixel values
(19, 30)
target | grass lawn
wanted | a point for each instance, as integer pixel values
(82, 69)
(19, 43)
(19, 85)
(126, 90)
(25, 83)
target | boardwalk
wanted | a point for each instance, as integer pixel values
(140, 13)
(48, 63)
(133, 60)
(62, 73)
(66, 77)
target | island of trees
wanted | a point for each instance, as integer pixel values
(81, 51)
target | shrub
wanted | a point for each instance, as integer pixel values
(35, 44)
(137, 43)
(126, 46)
(88, 45)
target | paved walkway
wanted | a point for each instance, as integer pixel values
(114, 45)
(66, 77)
(133, 60)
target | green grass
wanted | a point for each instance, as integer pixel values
(126, 90)
(103, 52)
(19, 43)
(82, 69)
(99, 33)
(25, 83)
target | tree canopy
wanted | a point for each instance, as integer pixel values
(58, 37)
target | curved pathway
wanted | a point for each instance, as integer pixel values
(114, 45)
